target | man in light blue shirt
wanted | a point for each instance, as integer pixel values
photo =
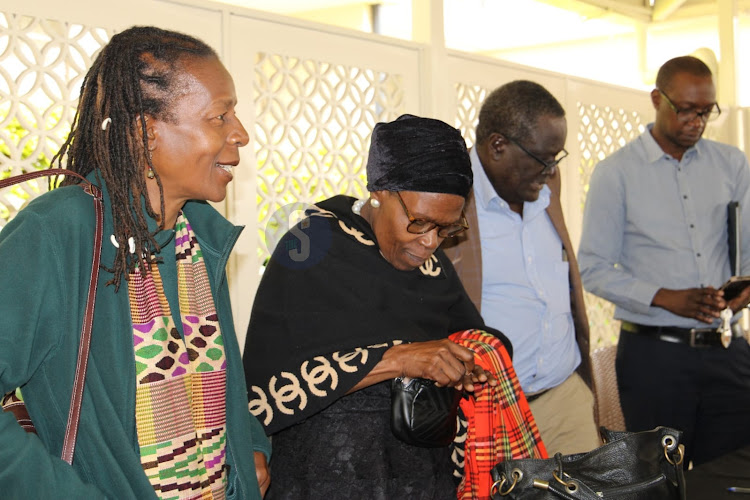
(655, 244)
(517, 263)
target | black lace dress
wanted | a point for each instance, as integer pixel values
(347, 451)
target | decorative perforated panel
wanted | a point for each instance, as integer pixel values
(469, 102)
(603, 130)
(312, 129)
(42, 65)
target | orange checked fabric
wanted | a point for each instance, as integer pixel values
(500, 423)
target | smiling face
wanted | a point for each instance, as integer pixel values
(406, 251)
(515, 175)
(196, 147)
(685, 90)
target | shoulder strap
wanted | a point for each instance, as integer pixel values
(76, 398)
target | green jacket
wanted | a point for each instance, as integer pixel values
(45, 264)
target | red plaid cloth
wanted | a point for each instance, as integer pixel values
(500, 423)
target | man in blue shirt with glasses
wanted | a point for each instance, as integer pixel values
(654, 243)
(517, 263)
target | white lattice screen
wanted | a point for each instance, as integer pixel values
(602, 131)
(469, 99)
(312, 129)
(42, 65)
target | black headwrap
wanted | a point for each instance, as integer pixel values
(418, 154)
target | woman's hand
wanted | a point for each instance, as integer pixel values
(262, 473)
(443, 361)
(478, 376)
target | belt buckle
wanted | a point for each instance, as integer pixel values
(695, 331)
(724, 332)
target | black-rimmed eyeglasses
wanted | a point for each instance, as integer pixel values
(422, 226)
(686, 115)
(547, 166)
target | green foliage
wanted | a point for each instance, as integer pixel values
(15, 132)
(17, 195)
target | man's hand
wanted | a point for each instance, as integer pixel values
(262, 472)
(703, 304)
(741, 300)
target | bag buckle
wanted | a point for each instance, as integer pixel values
(669, 442)
(570, 486)
(497, 486)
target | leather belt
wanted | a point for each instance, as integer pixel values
(536, 395)
(694, 337)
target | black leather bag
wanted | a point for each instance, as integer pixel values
(629, 466)
(423, 414)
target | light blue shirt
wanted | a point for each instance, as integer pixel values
(653, 222)
(525, 285)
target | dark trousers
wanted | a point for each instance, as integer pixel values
(704, 392)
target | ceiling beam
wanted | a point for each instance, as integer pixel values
(664, 8)
(623, 8)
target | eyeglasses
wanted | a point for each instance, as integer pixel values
(547, 166)
(689, 114)
(422, 226)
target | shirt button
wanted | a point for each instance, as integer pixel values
(684, 196)
(698, 255)
(692, 226)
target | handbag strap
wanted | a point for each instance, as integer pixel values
(76, 398)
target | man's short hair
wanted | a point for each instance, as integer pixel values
(683, 64)
(513, 109)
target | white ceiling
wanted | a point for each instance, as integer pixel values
(637, 10)
(494, 27)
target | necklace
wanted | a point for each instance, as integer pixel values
(357, 206)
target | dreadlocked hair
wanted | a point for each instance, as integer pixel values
(137, 74)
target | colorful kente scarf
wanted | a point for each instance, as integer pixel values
(180, 383)
(500, 423)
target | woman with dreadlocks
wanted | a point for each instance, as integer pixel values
(164, 410)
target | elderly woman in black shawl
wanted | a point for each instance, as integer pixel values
(356, 294)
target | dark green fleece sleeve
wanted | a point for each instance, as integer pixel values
(32, 298)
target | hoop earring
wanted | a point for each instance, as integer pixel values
(374, 203)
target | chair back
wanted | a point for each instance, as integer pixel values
(607, 408)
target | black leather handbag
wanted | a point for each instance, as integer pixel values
(628, 466)
(423, 414)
